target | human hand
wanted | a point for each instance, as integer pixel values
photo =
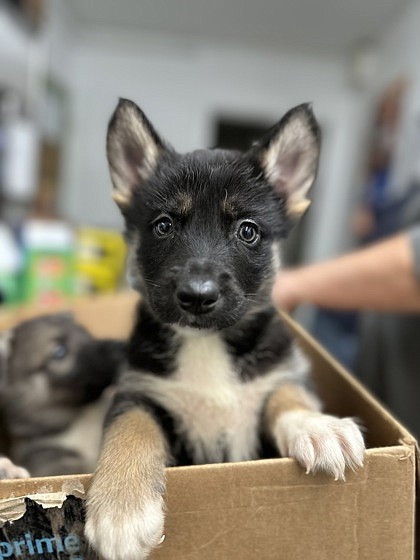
(285, 293)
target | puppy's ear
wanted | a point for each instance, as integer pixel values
(289, 155)
(133, 150)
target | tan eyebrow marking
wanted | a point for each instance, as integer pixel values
(185, 203)
(229, 205)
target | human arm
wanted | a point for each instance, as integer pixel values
(382, 277)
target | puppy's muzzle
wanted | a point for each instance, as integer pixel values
(198, 286)
(198, 295)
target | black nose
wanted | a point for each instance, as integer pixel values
(198, 296)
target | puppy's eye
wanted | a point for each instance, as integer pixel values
(249, 233)
(163, 226)
(59, 352)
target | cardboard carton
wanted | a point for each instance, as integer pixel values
(243, 511)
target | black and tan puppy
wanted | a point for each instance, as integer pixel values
(212, 373)
(53, 374)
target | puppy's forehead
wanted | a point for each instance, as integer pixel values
(33, 341)
(32, 338)
(215, 175)
(205, 169)
(42, 329)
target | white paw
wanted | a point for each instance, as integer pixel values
(9, 470)
(118, 533)
(320, 442)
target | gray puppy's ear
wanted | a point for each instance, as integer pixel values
(288, 156)
(133, 150)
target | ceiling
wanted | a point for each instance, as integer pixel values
(322, 25)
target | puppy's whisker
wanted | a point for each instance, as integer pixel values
(151, 283)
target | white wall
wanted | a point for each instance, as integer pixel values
(182, 86)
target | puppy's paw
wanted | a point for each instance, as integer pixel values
(125, 530)
(9, 470)
(321, 442)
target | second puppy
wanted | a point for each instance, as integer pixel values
(53, 374)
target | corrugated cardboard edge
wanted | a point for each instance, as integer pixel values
(48, 492)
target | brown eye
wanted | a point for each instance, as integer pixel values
(163, 226)
(248, 232)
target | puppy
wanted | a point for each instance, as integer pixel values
(212, 374)
(53, 374)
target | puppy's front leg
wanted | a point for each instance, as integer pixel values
(125, 504)
(318, 441)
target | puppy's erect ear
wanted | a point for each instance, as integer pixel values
(289, 156)
(133, 150)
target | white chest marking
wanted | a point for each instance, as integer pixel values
(85, 433)
(217, 413)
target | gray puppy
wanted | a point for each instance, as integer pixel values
(54, 374)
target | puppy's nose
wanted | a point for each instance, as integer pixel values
(198, 296)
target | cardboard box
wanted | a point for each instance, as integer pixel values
(244, 511)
